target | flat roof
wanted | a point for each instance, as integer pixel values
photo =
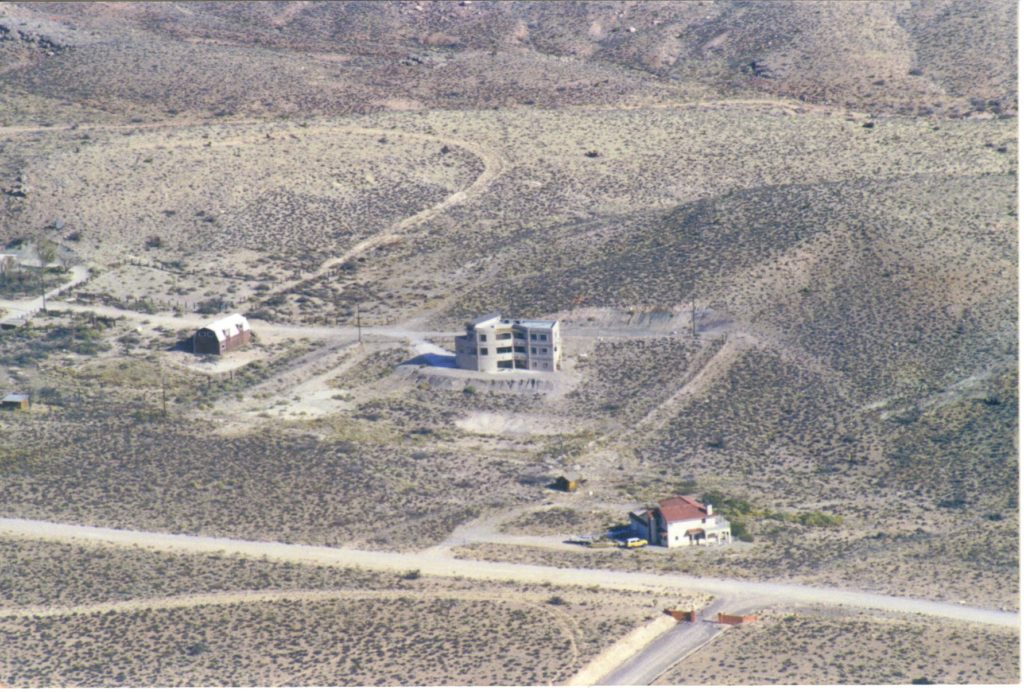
(496, 316)
(16, 397)
(485, 318)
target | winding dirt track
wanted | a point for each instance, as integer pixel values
(792, 107)
(442, 566)
(536, 602)
(492, 161)
(493, 165)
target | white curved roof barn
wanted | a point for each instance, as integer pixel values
(228, 327)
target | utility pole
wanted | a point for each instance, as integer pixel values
(47, 253)
(163, 391)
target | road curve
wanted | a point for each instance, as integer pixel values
(443, 566)
(26, 306)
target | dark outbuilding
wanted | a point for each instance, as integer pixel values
(569, 483)
(16, 402)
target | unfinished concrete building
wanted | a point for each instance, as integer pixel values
(493, 344)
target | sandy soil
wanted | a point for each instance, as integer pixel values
(486, 423)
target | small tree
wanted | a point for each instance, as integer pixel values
(46, 251)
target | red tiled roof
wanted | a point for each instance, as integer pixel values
(681, 508)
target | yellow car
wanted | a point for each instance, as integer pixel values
(634, 543)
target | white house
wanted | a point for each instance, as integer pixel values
(680, 521)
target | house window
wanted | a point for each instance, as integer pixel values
(543, 337)
(543, 350)
(504, 364)
(520, 349)
(483, 337)
(483, 352)
(533, 337)
(533, 350)
(504, 336)
(504, 349)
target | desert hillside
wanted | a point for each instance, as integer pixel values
(781, 242)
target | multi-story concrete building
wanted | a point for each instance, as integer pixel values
(493, 344)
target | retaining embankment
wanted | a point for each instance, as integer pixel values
(622, 650)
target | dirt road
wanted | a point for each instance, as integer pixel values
(437, 565)
(397, 332)
(534, 601)
(493, 165)
(26, 306)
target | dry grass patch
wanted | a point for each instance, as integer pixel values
(100, 466)
(171, 620)
(57, 574)
(815, 648)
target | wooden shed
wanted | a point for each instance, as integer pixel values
(224, 335)
(569, 482)
(16, 402)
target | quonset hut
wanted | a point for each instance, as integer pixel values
(224, 335)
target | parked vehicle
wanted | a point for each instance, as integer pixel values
(582, 540)
(634, 542)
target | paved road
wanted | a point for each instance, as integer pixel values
(663, 653)
(679, 642)
(443, 566)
